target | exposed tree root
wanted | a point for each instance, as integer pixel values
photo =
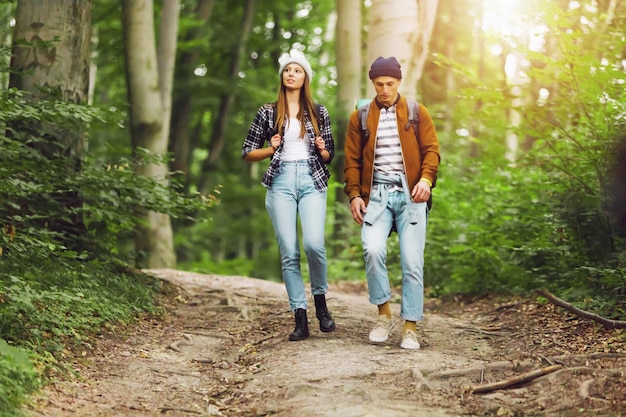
(175, 346)
(607, 323)
(490, 332)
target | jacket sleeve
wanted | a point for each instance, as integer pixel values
(429, 145)
(353, 159)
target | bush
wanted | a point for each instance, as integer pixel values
(18, 379)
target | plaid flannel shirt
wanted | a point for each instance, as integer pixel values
(262, 130)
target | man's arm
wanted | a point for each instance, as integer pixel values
(353, 158)
(429, 146)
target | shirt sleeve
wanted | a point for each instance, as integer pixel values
(258, 132)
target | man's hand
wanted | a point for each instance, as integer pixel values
(358, 209)
(421, 192)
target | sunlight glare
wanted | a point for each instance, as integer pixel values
(544, 94)
(502, 17)
(510, 66)
(496, 50)
(200, 71)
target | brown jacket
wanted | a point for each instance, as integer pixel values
(418, 162)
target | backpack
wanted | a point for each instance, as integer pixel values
(413, 119)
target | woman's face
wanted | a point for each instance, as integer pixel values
(293, 76)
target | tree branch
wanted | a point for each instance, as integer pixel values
(520, 379)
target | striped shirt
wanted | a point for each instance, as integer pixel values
(388, 154)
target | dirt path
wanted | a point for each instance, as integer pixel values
(223, 351)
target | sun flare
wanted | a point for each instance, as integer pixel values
(502, 16)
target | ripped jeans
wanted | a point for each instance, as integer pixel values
(384, 208)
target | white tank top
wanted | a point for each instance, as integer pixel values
(294, 147)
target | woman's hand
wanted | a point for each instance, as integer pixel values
(320, 147)
(275, 141)
(320, 144)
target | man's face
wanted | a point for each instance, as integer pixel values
(386, 89)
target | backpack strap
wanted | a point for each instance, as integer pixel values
(318, 117)
(414, 117)
(272, 119)
(364, 111)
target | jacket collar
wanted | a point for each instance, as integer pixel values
(382, 106)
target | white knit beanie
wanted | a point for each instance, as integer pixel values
(296, 59)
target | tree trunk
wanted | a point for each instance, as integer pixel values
(349, 59)
(155, 242)
(216, 144)
(180, 142)
(54, 64)
(50, 61)
(401, 28)
(450, 81)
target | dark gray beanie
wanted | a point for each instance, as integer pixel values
(385, 66)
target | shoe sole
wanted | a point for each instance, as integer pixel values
(297, 339)
(410, 347)
(379, 340)
(328, 330)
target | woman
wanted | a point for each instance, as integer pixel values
(300, 145)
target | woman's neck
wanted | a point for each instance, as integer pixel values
(293, 102)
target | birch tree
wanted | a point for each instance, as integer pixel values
(149, 80)
(349, 86)
(349, 59)
(401, 28)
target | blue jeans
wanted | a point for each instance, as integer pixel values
(293, 192)
(412, 236)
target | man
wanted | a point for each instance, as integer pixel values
(388, 179)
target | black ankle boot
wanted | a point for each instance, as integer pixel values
(301, 331)
(327, 324)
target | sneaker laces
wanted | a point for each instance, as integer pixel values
(382, 323)
(409, 334)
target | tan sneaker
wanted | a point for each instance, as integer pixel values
(409, 340)
(380, 333)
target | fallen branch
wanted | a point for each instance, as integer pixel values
(607, 323)
(520, 379)
(182, 410)
(479, 370)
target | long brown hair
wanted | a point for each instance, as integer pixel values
(306, 102)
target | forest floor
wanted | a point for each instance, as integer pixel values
(221, 349)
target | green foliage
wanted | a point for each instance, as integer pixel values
(541, 219)
(58, 209)
(67, 224)
(51, 305)
(18, 378)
